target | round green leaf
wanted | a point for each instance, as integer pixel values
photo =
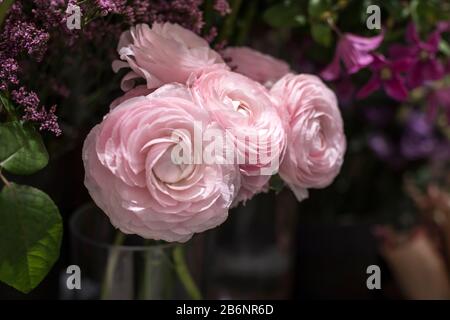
(30, 236)
(284, 15)
(317, 7)
(321, 33)
(22, 150)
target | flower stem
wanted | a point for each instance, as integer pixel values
(230, 21)
(247, 22)
(145, 289)
(113, 257)
(184, 274)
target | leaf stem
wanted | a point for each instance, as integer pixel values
(3, 178)
(184, 274)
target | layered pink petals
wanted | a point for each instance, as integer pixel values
(162, 54)
(245, 110)
(315, 139)
(132, 177)
(257, 66)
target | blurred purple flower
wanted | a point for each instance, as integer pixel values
(438, 98)
(422, 55)
(379, 116)
(386, 74)
(385, 149)
(345, 91)
(354, 51)
(418, 140)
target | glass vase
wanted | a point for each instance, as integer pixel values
(116, 266)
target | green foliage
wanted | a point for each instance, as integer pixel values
(30, 236)
(322, 34)
(22, 150)
(31, 226)
(426, 13)
(317, 8)
(276, 183)
(287, 14)
(4, 8)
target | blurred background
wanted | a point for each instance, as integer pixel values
(389, 207)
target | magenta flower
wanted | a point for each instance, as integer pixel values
(354, 51)
(386, 74)
(422, 55)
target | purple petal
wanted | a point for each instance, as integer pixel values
(423, 71)
(433, 41)
(363, 43)
(379, 61)
(411, 33)
(397, 51)
(395, 88)
(354, 60)
(402, 65)
(371, 86)
(332, 71)
(432, 69)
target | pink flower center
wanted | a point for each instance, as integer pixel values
(169, 172)
(241, 107)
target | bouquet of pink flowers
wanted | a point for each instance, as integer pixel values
(199, 131)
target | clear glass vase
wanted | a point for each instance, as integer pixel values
(125, 267)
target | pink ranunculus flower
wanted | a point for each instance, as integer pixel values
(316, 142)
(254, 130)
(138, 91)
(162, 54)
(257, 66)
(132, 175)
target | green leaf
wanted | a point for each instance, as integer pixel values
(321, 33)
(22, 150)
(284, 15)
(4, 9)
(30, 236)
(426, 13)
(316, 8)
(444, 47)
(276, 183)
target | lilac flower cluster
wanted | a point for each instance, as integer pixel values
(37, 28)
(23, 35)
(47, 120)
